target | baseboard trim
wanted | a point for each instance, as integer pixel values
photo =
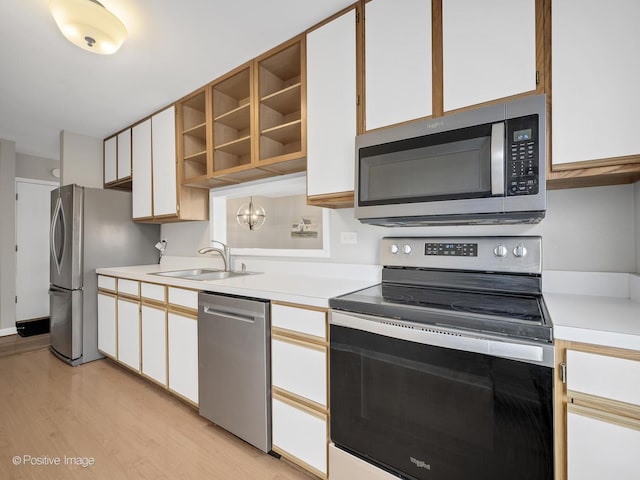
(4, 332)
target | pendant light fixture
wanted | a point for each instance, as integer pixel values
(251, 215)
(89, 25)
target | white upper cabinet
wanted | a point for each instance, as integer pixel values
(124, 154)
(397, 61)
(110, 159)
(141, 159)
(331, 106)
(596, 67)
(163, 141)
(489, 50)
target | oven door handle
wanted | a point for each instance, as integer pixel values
(497, 159)
(447, 338)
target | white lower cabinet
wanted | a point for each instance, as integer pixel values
(300, 369)
(107, 324)
(154, 343)
(299, 360)
(300, 432)
(602, 412)
(598, 449)
(183, 355)
(153, 330)
(129, 333)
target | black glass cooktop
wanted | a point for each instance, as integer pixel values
(515, 315)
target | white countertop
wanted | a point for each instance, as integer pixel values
(296, 287)
(597, 308)
(581, 313)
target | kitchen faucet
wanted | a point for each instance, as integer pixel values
(224, 253)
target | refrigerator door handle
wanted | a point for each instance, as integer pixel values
(57, 214)
(57, 291)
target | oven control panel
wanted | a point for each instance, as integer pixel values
(451, 249)
(521, 254)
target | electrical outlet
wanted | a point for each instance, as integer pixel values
(348, 238)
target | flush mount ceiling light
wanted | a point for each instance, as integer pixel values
(251, 215)
(87, 24)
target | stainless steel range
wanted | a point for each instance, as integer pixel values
(444, 370)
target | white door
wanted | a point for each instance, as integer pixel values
(32, 241)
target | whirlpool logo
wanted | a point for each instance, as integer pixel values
(420, 463)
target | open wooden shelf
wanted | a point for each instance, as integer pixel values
(287, 133)
(280, 88)
(286, 100)
(198, 131)
(194, 111)
(238, 118)
(240, 146)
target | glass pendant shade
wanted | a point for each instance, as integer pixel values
(89, 25)
(251, 215)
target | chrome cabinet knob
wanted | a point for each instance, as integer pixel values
(500, 251)
(394, 249)
(406, 249)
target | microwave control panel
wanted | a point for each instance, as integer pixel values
(522, 156)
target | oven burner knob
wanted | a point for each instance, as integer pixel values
(500, 251)
(520, 251)
(406, 249)
(394, 248)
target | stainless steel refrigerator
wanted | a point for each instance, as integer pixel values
(90, 228)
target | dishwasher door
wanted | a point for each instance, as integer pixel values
(234, 365)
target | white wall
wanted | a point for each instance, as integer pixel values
(80, 160)
(7, 234)
(585, 229)
(28, 166)
(186, 238)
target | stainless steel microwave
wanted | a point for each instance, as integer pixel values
(480, 166)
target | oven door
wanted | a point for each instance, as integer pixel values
(434, 404)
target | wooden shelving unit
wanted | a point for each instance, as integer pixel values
(232, 120)
(193, 151)
(281, 121)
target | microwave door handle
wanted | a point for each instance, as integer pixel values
(497, 159)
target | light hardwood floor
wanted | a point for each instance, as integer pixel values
(130, 427)
(12, 344)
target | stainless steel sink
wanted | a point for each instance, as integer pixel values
(203, 274)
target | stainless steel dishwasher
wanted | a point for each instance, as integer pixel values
(234, 365)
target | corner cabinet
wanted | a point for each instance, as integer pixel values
(595, 99)
(299, 366)
(156, 192)
(599, 412)
(331, 112)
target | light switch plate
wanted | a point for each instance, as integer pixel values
(349, 238)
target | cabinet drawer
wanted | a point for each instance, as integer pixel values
(129, 287)
(183, 298)
(107, 283)
(603, 376)
(598, 449)
(300, 434)
(299, 369)
(302, 320)
(152, 291)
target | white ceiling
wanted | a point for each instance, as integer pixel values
(48, 85)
